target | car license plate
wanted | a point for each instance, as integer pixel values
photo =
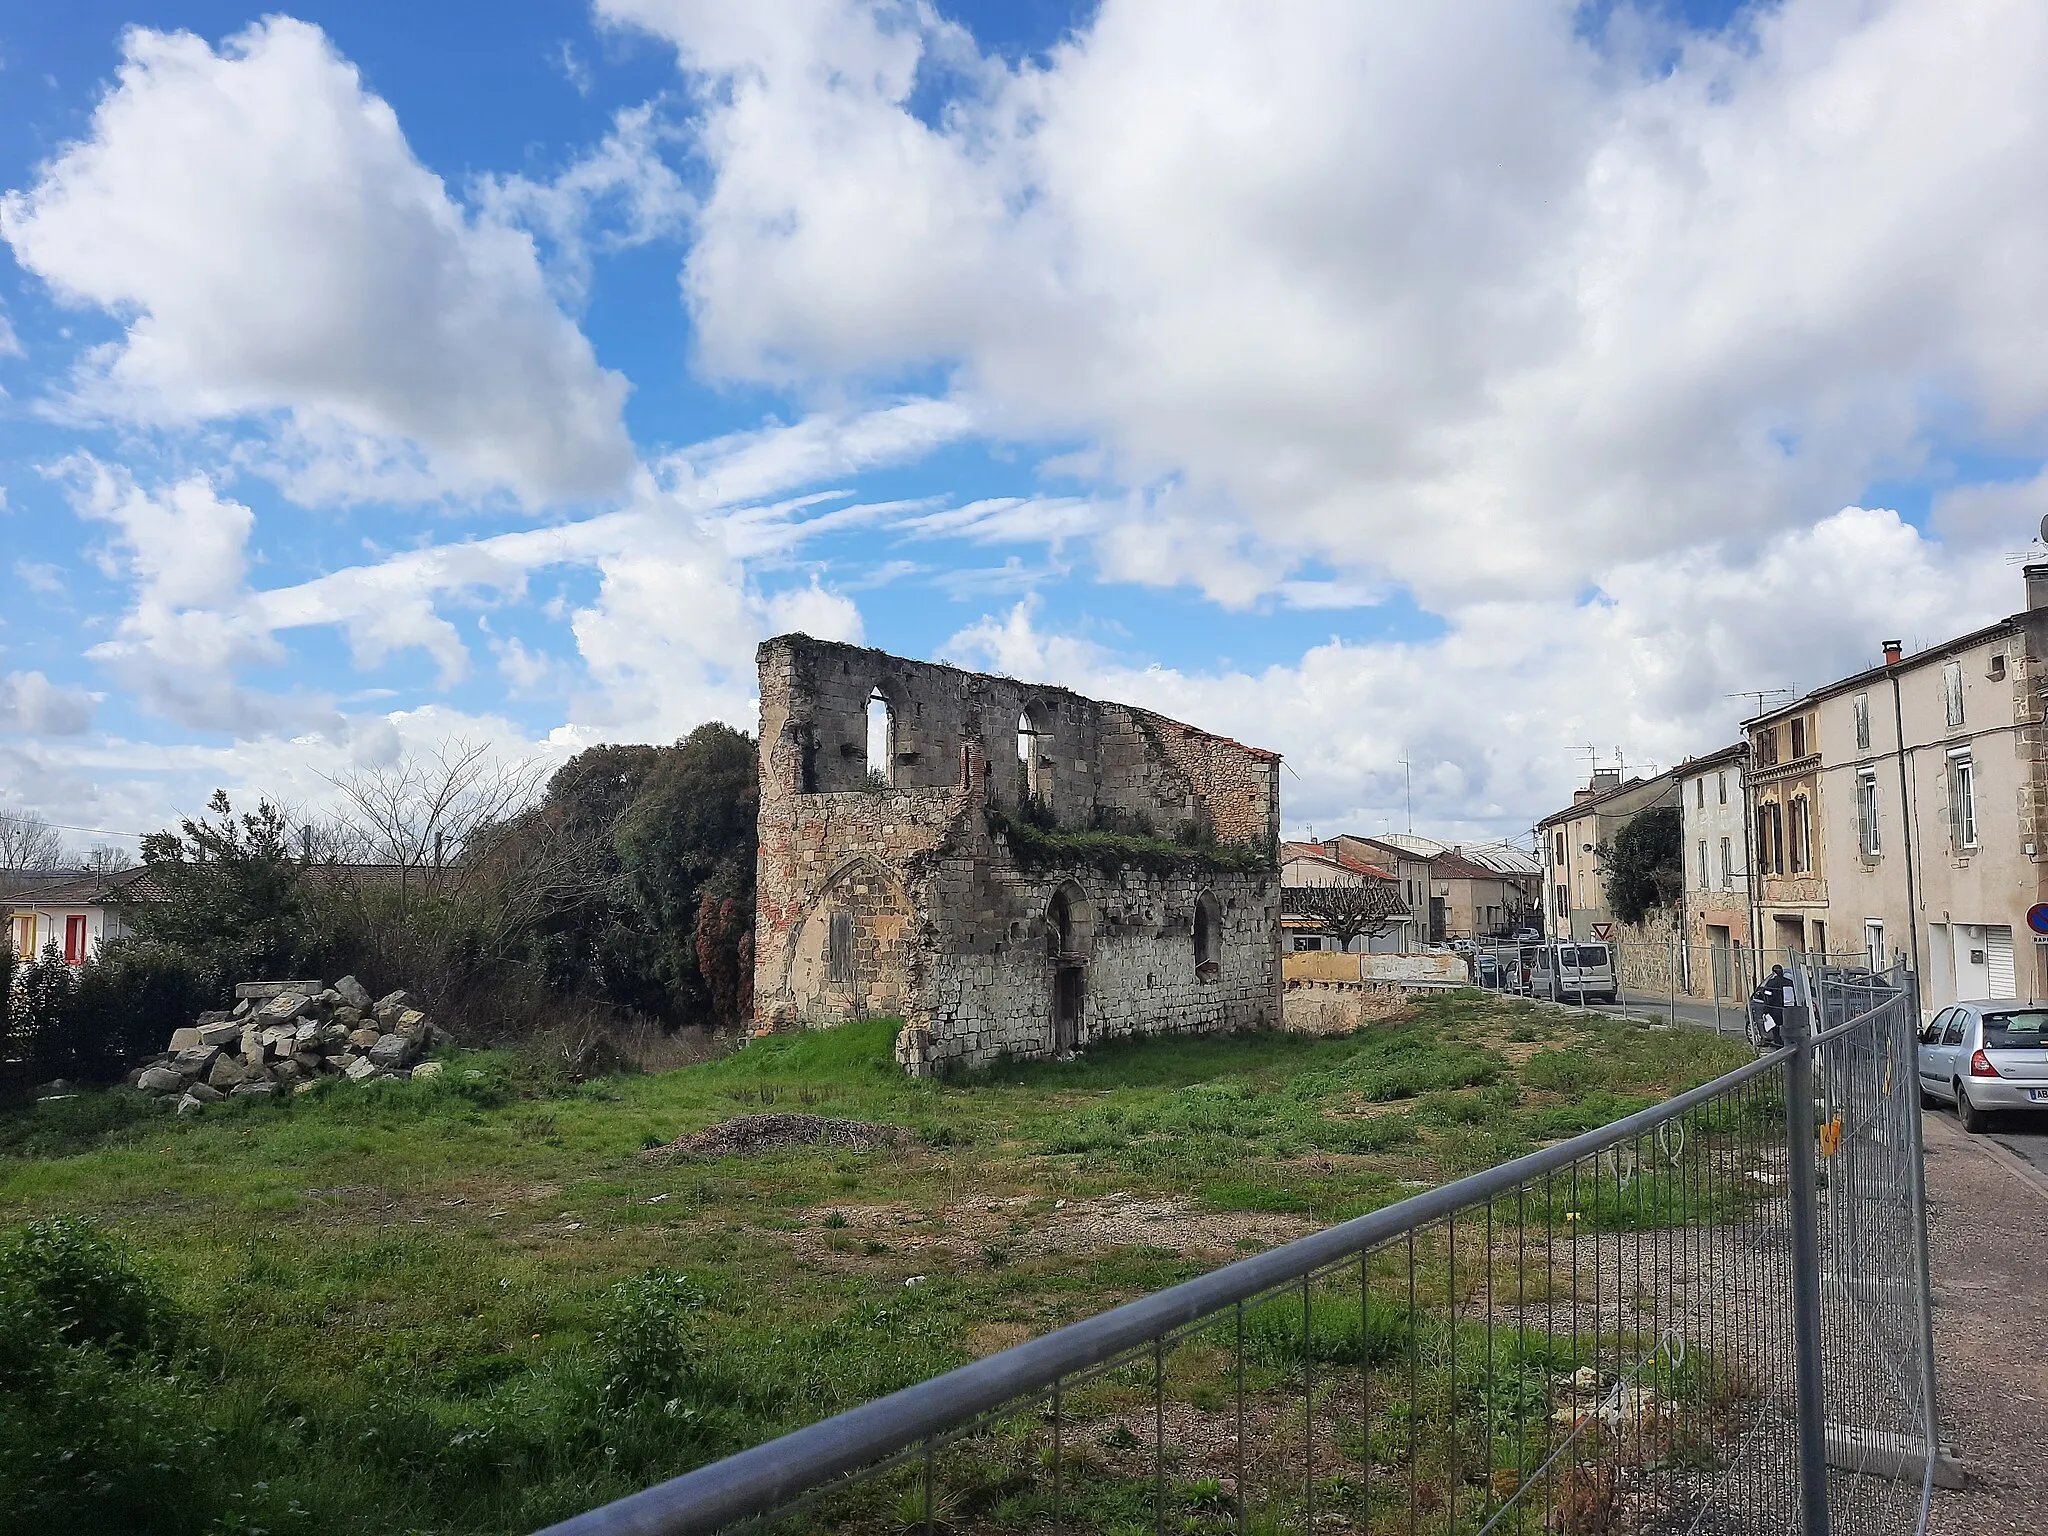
(2038, 1095)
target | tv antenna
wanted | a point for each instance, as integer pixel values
(1759, 694)
(1408, 793)
(2032, 553)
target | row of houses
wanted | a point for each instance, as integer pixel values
(1896, 813)
(73, 909)
(1424, 892)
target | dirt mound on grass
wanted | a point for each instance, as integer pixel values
(777, 1133)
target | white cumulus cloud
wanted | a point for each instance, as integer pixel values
(1456, 295)
(276, 251)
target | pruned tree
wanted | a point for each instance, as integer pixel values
(29, 842)
(1366, 910)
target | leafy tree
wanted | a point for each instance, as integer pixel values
(1645, 863)
(228, 894)
(687, 848)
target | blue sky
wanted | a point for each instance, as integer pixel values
(1457, 386)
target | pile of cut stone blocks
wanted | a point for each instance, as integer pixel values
(285, 1036)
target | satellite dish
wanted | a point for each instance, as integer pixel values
(2044, 528)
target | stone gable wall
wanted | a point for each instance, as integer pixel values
(948, 931)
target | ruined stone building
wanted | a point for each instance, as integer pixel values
(1010, 868)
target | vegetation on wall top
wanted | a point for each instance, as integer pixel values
(1037, 846)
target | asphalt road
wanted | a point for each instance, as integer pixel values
(2025, 1134)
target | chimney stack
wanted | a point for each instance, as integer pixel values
(1892, 651)
(2037, 586)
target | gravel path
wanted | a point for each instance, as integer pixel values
(1989, 1235)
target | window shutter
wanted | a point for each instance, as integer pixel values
(1952, 688)
(1957, 782)
(839, 954)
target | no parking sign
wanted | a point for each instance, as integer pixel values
(2037, 917)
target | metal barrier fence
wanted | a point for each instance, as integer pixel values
(1707, 986)
(1711, 1316)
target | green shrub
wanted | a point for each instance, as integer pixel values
(81, 1287)
(98, 1430)
(650, 1341)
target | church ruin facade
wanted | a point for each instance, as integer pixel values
(1012, 869)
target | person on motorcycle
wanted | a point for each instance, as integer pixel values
(1769, 1000)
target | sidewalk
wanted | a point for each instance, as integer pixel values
(1988, 1232)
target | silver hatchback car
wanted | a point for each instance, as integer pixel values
(1985, 1057)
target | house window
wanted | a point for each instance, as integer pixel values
(1996, 671)
(1770, 839)
(1561, 900)
(1962, 802)
(1873, 944)
(1952, 691)
(1859, 713)
(1699, 793)
(1802, 844)
(74, 940)
(1767, 745)
(1721, 785)
(23, 936)
(839, 948)
(1706, 878)
(1727, 864)
(1866, 813)
(1798, 738)
(1558, 860)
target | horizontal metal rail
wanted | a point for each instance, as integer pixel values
(762, 1479)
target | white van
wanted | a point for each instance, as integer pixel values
(1575, 972)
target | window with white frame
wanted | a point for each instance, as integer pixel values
(1866, 813)
(1962, 802)
(1873, 943)
(1802, 836)
(1952, 691)
(1859, 711)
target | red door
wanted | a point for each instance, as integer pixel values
(74, 941)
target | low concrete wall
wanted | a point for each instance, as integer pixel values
(1338, 1007)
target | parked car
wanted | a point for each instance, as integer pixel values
(1578, 973)
(1983, 1057)
(1527, 936)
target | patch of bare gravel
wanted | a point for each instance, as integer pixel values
(1988, 1232)
(1024, 1227)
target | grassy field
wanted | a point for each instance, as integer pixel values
(473, 1305)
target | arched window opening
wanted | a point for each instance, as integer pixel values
(1034, 759)
(1208, 936)
(1059, 926)
(881, 740)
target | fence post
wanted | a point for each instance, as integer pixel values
(1805, 1215)
(1909, 999)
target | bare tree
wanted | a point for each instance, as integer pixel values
(27, 841)
(418, 816)
(108, 859)
(1347, 912)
